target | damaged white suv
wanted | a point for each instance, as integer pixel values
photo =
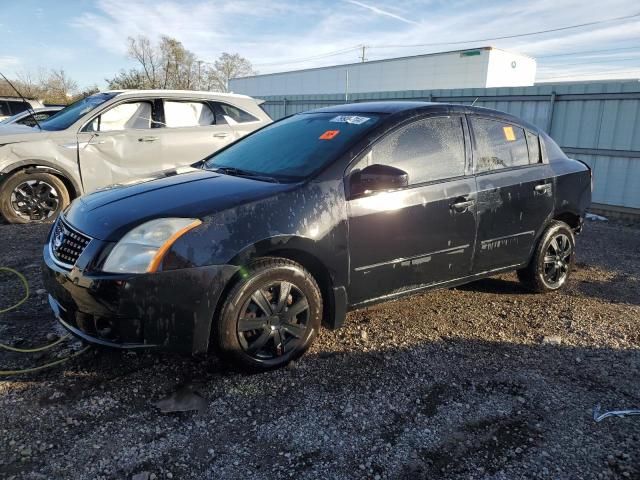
(114, 137)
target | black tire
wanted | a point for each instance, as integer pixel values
(552, 259)
(249, 337)
(36, 197)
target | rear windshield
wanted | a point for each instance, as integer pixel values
(296, 147)
(71, 114)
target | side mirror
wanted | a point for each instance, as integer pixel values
(377, 178)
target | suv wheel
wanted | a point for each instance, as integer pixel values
(552, 260)
(32, 197)
(270, 317)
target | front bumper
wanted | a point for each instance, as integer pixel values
(171, 310)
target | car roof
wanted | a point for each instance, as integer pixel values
(406, 108)
(198, 93)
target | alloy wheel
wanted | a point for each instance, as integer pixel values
(274, 321)
(557, 260)
(35, 200)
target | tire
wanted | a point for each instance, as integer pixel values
(250, 337)
(32, 197)
(552, 259)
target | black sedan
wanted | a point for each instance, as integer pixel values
(250, 251)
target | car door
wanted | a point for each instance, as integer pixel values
(191, 131)
(515, 192)
(119, 145)
(419, 235)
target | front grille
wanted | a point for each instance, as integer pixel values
(67, 244)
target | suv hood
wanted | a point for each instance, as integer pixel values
(13, 133)
(109, 214)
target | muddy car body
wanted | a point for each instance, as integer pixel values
(390, 199)
(114, 137)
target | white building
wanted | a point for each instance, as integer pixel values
(475, 68)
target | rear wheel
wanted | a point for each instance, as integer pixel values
(32, 197)
(270, 317)
(552, 260)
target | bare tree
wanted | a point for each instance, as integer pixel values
(168, 64)
(60, 88)
(228, 66)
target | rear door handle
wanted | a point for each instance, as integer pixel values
(147, 139)
(542, 188)
(221, 135)
(462, 205)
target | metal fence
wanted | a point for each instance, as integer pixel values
(598, 123)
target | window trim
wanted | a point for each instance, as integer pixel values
(154, 116)
(474, 149)
(364, 152)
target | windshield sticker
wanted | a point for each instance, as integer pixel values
(508, 133)
(353, 119)
(329, 135)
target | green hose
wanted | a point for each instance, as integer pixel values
(32, 350)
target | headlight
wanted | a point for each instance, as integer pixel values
(141, 250)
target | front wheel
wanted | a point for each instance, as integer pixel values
(269, 317)
(552, 260)
(36, 197)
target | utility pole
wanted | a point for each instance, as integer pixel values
(363, 58)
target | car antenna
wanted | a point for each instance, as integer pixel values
(29, 107)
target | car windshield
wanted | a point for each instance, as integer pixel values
(71, 114)
(294, 148)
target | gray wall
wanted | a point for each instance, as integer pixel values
(598, 123)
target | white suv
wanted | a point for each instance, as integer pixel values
(114, 137)
(10, 106)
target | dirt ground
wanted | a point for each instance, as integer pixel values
(485, 381)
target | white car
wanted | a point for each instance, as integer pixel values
(12, 105)
(30, 117)
(114, 137)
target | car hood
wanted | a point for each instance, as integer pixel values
(110, 213)
(13, 133)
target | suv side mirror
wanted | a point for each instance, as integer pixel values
(377, 178)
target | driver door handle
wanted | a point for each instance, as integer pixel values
(462, 204)
(147, 139)
(220, 135)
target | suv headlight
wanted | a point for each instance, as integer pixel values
(142, 249)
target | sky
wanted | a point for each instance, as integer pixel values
(87, 38)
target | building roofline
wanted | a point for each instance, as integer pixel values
(383, 60)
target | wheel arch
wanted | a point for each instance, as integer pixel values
(303, 251)
(573, 219)
(29, 166)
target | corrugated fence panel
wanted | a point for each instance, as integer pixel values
(603, 119)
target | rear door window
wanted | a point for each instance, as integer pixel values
(498, 145)
(428, 150)
(232, 114)
(187, 114)
(4, 109)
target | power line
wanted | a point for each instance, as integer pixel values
(539, 32)
(460, 42)
(315, 57)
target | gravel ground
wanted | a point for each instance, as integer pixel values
(484, 381)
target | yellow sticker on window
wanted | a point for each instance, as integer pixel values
(509, 134)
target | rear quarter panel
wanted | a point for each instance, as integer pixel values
(573, 187)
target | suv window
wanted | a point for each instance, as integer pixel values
(498, 145)
(429, 149)
(122, 117)
(18, 106)
(4, 109)
(233, 114)
(533, 142)
(187, 114)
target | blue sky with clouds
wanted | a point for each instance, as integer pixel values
(87, 37)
